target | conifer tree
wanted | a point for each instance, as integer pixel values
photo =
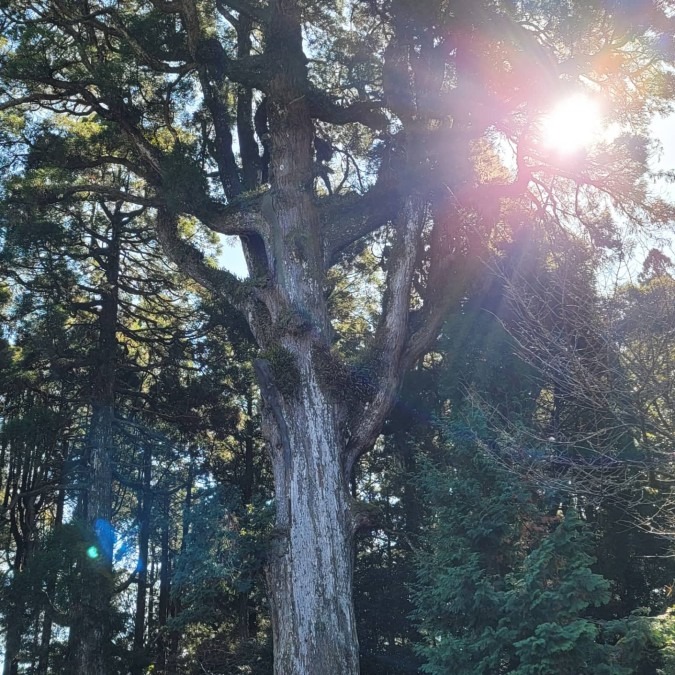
(504, 586)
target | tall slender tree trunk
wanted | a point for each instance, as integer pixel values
(14, 624)
(23, 530)
(164, 586)
(12, 647)
(90, 627)
(48, 621)
(152, 578)
(247, 623)
(89, 631)
(175, 606)
(14, 611)
(144, 514)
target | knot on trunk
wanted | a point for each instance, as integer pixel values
(292, 321)
(277, 544)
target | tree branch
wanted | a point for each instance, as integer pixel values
(446, 280)
(190, 261)
(324, 108)
(255, 12)
(241, 217)
(57, 194)
(347, 218)
(392, 333)
(32, 98)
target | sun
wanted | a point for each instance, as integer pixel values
(572, 125)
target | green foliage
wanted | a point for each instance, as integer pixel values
(184, 181)
(219, 562)
(550, 594)
(505, 588)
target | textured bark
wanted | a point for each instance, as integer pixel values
(309, 570)
(309, 566)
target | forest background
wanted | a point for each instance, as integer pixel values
(438, 413)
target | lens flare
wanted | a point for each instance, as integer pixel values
(574, 123)
(105, 533)
(92, 552)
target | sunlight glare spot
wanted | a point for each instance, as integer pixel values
(573, 124)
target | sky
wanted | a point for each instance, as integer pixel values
(232, 257)
(664, 130)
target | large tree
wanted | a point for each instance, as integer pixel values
(422, 122)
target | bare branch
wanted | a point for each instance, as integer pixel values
(392, 333)
(348, 218)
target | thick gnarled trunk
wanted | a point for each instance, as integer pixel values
(289, 248)
(309, 568)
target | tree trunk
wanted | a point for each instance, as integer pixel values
(309, 570)
(144, 514)
(152, 578)
(309, 566)
(13, 618)
(23, 529)
(12, 647)
(89, 631)
(164, 585)
(90, 627)
(246, 618)
(14, 621)
(48, 622)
